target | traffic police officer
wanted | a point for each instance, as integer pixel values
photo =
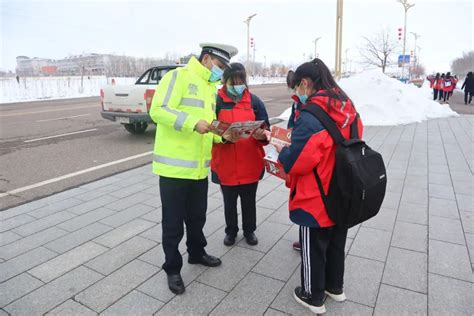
(183, 108)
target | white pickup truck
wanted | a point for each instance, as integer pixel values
(129, 104)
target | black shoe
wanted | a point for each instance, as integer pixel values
(229, 240)
(206, 260)
(175, 283)
(316, 307)
(251, 239)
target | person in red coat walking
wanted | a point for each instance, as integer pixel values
(238, 166)
(436, 86)
(448, 86)
(312, 150)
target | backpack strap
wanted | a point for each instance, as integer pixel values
(253, 103)
(326, 120)
(320, 187)
(355, 128)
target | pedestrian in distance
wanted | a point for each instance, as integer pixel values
(237, 165)
(436, 85)
(448, 86)
(468, 87)
(183, 108)
(441, 87)
(312, 151)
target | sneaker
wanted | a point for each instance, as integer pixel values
(308, 302)
(297, 246)
(337, 295)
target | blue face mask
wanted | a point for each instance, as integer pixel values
(237, 90)
(303, 98)
(216, 73)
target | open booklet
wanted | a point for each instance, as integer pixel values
(282, 137)
(245, 129)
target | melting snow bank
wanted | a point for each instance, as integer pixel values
(49, 88)
(382, 100)
(385, 101)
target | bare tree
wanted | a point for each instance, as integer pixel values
(463, 64)
(418, 71)
(378, 50)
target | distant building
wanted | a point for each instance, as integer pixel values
(89, 64)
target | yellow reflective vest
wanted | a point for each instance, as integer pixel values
(183, 97)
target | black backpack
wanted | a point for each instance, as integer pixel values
(358, 182)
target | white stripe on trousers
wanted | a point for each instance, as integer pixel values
(306, 259)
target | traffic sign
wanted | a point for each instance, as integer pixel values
(403, 59)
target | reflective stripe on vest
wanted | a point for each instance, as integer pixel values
(207, 164)
(192, 102)
(180, 116)
(176, 162)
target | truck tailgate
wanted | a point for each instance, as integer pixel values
(123, 98)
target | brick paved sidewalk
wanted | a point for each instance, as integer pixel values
(96, 248)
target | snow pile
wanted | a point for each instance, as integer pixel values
(385, 101)
(382, 100)
(39, 88)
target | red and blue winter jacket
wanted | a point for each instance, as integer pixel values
(296, 108)
(313, 148)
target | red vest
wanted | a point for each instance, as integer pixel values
(241, 162)
(448, 85)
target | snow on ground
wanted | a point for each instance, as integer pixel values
(382, 100)
(41, 88)
(385, 101)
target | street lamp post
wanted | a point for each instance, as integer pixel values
(338, 38)
(418, 55)
(415, 56)
(345, 59)
(316, 47)
(406, 6)
(247, 21)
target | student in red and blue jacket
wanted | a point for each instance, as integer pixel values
(238, 166)
(313, 150)
(296, 108)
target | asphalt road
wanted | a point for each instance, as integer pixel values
(44, 140)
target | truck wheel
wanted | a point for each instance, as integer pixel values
(136, 128)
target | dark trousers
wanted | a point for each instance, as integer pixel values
(322, 259)
(182, 201)
(441, 93)
(467, 97)
(446, 96)
(435, 94)
(247, 193)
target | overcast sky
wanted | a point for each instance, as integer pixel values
(283, 30)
